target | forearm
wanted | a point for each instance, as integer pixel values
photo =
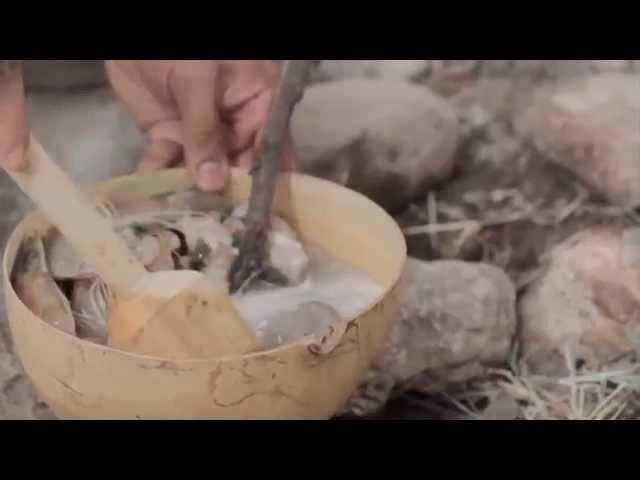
(14, 134)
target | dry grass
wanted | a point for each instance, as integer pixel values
(517, 208)
(513, 393)
(514, 207)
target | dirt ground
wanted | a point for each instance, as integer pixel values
(488, 95)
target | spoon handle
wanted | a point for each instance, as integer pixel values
(68, 209)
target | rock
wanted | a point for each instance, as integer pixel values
(590, 127)
(389, 140)
(389, 69)
(454, 314)
(18, 398)
(457, 320)
(492, 100)
(631, 247)
(88, 133)
(63, 74)
(586, 299)
(13, 205)
(608, 66)
(536, 68)
(6, 341)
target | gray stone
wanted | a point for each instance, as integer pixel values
(581, 305)
(88, 133)
(63, 74)
(18, 398)
(385, 69)
(590, 126)
(453, 313)
(389, 140)
(457, 320)
(611, 66)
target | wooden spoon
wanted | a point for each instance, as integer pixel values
(169, 314)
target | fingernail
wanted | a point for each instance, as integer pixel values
(15, 159)
(212, 176)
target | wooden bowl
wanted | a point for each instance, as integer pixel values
(304, 380)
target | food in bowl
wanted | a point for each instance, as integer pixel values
(304, 291)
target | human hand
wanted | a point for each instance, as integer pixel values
(209, 113)
(14, 133)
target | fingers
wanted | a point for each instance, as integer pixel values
(247, 98)
(244, 79)
(247, 120)
(150, 109)
(138, 93)
(197, 92)
(246, 104)
(161, 153)
(248, 131)
(14, 134)
(201, 111)
(247, 157)
(262, 111)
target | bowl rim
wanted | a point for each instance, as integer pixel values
(234, 172)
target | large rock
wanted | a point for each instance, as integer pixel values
(64, 74)
(591, 127)
(89, 133)
(389, 69)
(609, 66)
(18, 398)
(387, 139)
(453, 314)
(585, 304)
(457, 320)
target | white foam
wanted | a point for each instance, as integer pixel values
(331, 282)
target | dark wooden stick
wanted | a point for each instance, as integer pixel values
(250, 260)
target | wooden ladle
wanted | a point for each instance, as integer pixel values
(174, 314)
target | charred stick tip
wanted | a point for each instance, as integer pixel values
(249, 262)
(265, 172)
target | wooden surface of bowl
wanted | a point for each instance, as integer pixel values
(83, 380)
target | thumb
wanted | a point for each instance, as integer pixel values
(14, 134)
(196, 92)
